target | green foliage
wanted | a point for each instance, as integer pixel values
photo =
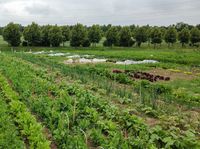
(125, 37)
(185, 96)
(156, 36)
(141, 35)
(121, 78)
(195, 36)
(55, 36)
(26, 122)
(37, 35)
(150, 112)
(106, 43)
(112, 37)
(79, 35)
(12, 35)
(184, 36)
(1, 30)
(171, 35)
(181, 25)
(161, 89)
(9, 135)
(95, 34)
(45, 41)
(86, 43)
(32, 34)
(66, 33)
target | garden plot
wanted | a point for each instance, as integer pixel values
(174, 75)
(142, 75)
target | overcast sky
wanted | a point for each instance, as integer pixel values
(118, 12)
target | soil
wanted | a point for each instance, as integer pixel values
(49, 137)
(172, 75)
(151, 121)
(90, 144)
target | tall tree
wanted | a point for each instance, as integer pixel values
(125, 37)
(66, 33)
(141, 35)
(55, 36)
(45, 41)
(112, 37)
(105, 28)
(132, 27)
(163, 30)
(79, 35)
(198, 26)
(180, 26)
(184, 36)
(32, 34)
(156, 36)
(95, 34)
(195, 36)
(1, 30)
(12, 35)
(170, 36)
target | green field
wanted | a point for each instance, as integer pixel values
(47, 103)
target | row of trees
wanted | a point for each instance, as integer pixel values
(79, 35)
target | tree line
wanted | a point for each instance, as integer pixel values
(84, 36)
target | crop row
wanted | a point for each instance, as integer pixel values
(28, 125)
(9, 134)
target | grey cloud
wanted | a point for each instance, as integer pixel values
(154, 12)
(179, 6)
(38, 9)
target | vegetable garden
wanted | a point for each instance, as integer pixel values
(48, 104)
